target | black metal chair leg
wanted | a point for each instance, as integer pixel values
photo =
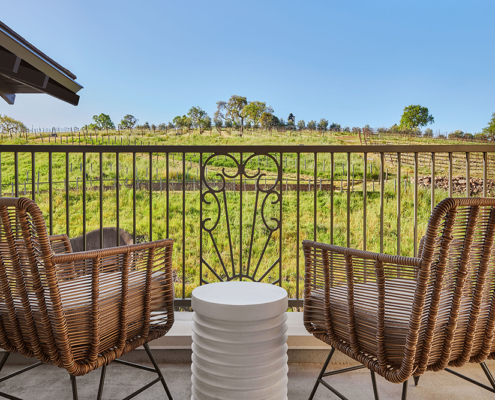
(373, 381)
(416, 380)
(102, 382)
(4, 360)
(74, 387)
(404, 390)
(157, 368)
(488, 374)
(321, 374)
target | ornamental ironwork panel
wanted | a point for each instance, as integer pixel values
(241, 214)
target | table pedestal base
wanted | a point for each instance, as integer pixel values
(239, 360)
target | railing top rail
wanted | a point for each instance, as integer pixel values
(220, 149)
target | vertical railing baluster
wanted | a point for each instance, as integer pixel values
(101, 199)
(84, 198)
(200, 216)
(183, 225)
(399, 179)
(241, 269)
(382, 190)
(348, 200)
(315, 195)
(33, 177)
(485, 172)
(298, 174)
(67, 191)
(134, 196)
(451, 189)
(415, 204)
(117, 196)
(432, 199)
(365, 198)
(151, 195)
(332, 166)
(167, 188)
(468, 174)
(50, 188)
(16, 174)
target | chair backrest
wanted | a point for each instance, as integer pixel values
(458, 284)
(26, 277)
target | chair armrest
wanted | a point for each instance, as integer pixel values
(365, 255)
(112, 251)
(60, 244)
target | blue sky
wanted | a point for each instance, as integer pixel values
(353, 62)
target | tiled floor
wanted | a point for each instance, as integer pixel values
(48, 382)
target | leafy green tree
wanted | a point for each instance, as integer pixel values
(301, 124)
(335, 127)
(232, 110)
(268, 120)
(162, 127)
(415, 116)
(128, 122)
(199, 118)
(428, 133)
(10, 125)
(182, 122)
(312, 125)
(103, 121)
(323, 124)
(489, 131)
(253, 111)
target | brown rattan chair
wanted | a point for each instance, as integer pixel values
(403, 316)
(79, 311)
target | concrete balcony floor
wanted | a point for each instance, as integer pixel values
(49, 382)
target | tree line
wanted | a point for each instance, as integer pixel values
(237, 113)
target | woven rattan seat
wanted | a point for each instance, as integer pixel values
(79, 311)
(403, 316)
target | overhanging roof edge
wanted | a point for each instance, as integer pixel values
(21, 50)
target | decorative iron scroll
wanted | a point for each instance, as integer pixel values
(240, 212)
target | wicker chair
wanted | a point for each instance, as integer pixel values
(79, 311)
(403, 316)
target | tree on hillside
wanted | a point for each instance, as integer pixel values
(268, 120)
(232, 110)
(182, 122)
(335, 127)
(103, 121)
(128, 122)
(428, 133)
(489, 131)
(253, 111)
(323, 124)
(11, 125)
(415, 116)
(312, 125)
(301, 124)
(199, 119)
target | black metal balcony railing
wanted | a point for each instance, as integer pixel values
(240, 212)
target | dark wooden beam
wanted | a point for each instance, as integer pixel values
(6, 93)
(34, 78)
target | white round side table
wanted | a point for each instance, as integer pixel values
(239, 342)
